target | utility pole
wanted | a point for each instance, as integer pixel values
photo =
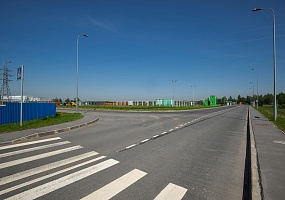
(5, 90)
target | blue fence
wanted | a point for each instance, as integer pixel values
(11, 112)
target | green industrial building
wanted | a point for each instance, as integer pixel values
(211, 102)
(164, 102)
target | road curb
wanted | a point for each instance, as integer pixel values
(256, 187)
(46, 133)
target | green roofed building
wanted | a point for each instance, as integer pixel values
(164, 102)
(213, 100)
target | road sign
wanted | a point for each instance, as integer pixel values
(19, 73)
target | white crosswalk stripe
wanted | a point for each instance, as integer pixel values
(37, 170)
(71, 169)
(116, 186)
(33, 149)
(171, 192)
(29, 143)
(49, 175)
(32, 158)
(61, 182)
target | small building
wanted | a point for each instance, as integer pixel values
(164, 102)
(213, 100)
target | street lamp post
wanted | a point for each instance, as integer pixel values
(174, 81)
(274, 58)
(256, 88)
(193, 94)
(252, 92)
(77, 69)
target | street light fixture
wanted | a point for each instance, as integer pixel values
(77, 69)
(274, 58)
(256, 88)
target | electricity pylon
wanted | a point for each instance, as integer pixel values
(5, 90)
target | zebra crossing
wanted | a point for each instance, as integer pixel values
(72, 169)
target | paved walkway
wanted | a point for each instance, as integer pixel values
(270, 145)
(17, 136)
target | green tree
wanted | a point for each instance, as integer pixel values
(67, 100)
(268, 99)
(281, 99)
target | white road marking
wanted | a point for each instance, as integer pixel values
(163, 133)
(49, 175)
(130, 146)
(37, 170)
(28, 143)
(32, 158)
(144, 140)
(171, 130)
(279, 141)
(115, 187)
(171, 192)
(66, 180)
(155, 136)
(33, 149)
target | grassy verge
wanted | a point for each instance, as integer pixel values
(37, 123)
(268, 111)
(142, 108)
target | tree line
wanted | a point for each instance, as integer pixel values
(266, 99)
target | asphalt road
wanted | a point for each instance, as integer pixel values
(191, 155)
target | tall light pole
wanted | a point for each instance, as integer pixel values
(252, 93)
(193, 94)
(174, 81)
(256, 88)
(77, 69)
(274, 58)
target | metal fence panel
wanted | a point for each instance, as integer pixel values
(11, 112)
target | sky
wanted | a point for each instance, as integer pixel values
(142, 49)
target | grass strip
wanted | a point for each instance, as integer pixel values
(60, 117)
(267, 111)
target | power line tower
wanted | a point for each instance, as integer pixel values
(5, 90)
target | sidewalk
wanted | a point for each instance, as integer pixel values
(270, 146)
(17, 136)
